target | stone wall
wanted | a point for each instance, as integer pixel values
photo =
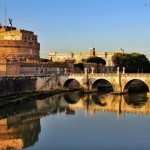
(18, 85)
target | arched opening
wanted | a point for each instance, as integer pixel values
(102, 85)
(136, 100)
(72, 84)
(135, 86)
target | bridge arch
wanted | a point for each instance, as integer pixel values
(131, 86)
(72, 83)
(102, 84)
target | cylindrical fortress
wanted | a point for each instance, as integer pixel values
(17, 44)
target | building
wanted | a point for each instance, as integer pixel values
(18, 44)
(15, 67)
(81, 56)
(20, 54)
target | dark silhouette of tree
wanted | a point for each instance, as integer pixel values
(44, 60)
(78, 67)
(97, 60)
(133, 62)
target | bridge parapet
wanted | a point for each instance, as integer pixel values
(91, 75)
(136, 74)
(26, 75)
(103, 75)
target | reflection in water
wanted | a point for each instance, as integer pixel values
(136, 99)
(132, 103)
(19, 132)
(20, 124)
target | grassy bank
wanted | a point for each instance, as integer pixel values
(25, 97)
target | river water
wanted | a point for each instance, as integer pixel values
(74, 121)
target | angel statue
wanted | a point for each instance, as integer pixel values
(10, 22)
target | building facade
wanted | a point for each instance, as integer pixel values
(81, 56)
(15, 67)
(18, 44)
(20, 54)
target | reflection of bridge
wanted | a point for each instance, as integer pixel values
(119, 81)
(112, 103)
(92, 103)
(16, 131)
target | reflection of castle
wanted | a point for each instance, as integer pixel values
(22, 130)
(19, 132)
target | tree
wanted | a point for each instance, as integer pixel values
(133, 62)
(78, 67)
(97, 60)
(44, 60)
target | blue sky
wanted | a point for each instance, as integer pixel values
(77, 25)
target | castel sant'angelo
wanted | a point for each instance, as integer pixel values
(18, 44)
(20, 53)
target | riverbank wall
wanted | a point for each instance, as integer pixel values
(27, 84)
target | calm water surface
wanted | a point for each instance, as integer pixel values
(74, 121)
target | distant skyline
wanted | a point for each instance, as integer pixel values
(77, 25)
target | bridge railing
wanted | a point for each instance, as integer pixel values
(136, 74)
(79, 75)
(26, 75)
(106, 74)
(90, 74)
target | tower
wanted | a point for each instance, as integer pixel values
(92, 52)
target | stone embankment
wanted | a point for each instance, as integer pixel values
(19, 89)
(26, 97)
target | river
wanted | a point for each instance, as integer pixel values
(74, 121)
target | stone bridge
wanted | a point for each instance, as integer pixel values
(120, 81)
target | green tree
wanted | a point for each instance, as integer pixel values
(97, 60)
(133, 62)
